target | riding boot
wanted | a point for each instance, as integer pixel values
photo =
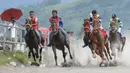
(49, 45)
(38, 36)
(119, 34)
(65, 35)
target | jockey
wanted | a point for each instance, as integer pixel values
(119, 24)
(55, 19)
(34, 21)
(93, 15)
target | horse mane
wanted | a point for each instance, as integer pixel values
(113, 23)
(95, 23)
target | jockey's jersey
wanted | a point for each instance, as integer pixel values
(34, 20)
(54, 20)
(118, 22)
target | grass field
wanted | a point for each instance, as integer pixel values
(19, 57)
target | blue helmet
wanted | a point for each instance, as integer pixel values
(113, 15)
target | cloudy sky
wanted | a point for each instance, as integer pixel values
(5, 4)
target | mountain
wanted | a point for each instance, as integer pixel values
(73, 13)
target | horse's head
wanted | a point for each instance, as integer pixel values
(55, 28)
(86, 22)
(86, 30)
(95, 26)
(113, 27)
(28, 25)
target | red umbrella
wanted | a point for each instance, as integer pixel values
(9, 13)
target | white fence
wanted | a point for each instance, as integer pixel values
(12, 37)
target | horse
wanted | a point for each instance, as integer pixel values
(33, 42)
(116, 41)
(58, 42)
(86, 37)
(99, 42)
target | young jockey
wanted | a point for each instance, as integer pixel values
(34, 21)
(119, 24)
(54, 19)
(94, 15)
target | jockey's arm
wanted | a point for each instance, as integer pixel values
(121, 24)
(50, 20)
(100, 20)
(90, 19)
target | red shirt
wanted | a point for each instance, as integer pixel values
(34, 21)
(54, 20)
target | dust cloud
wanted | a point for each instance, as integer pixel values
(83, 56)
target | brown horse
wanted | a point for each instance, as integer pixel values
(33, 42)
(58, 42)
(99, 42)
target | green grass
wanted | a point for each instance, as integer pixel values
(20, 57)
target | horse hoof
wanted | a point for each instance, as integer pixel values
(65, 64)
(94, 56)
(115, 63)
(56, 64)
(37, 56)
(102, 65)
(110, 58)
(35, 64)
(71, 57)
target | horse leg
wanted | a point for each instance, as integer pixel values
(64, 54)
(123, 43)
(55, 56)
(108, 50)
(106, 54)
(67, 45)
(29, 54)
(93, 51)
(113, 51)
(37, 55)
(40, 55)
(31, 49)
(101, 54)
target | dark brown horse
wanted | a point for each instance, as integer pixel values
(99, 42)
(86, 39)
(58, 42)
(32, 42)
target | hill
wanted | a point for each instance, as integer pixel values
(74, 12)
